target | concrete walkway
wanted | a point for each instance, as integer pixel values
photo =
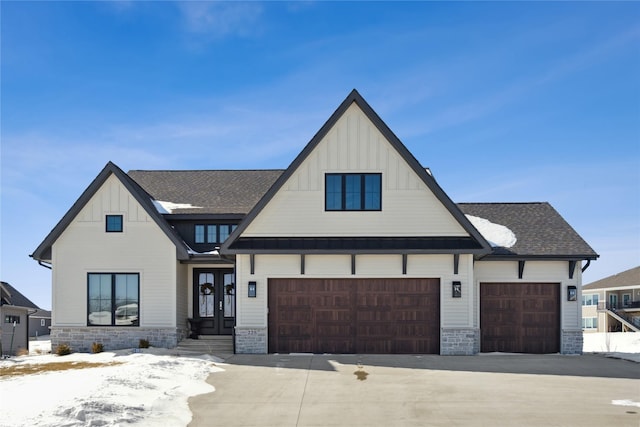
(357, 390)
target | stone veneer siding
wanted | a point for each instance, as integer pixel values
(80, 339)
(251, 340)
(459, 341)
(571, 341)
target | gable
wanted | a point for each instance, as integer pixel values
(111, 191)
(354, 144)
(355, 140)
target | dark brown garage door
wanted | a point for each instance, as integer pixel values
(376, 316)
(520, 317)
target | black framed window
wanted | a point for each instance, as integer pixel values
(10, 319)
(113, 299)
(353, 192)
(213, 233)
(114, 224)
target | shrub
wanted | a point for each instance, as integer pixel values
(63, 350)
(143, 343)
(97, 347)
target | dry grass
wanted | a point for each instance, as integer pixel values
(28, 369)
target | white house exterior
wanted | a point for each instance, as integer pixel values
(352, 249)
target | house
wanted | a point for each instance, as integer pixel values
(612, 304)
(15, 309)
(39, 323)
(354, 248)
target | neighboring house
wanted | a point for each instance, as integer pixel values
(39, 323)
(15, 309)
(354, 248)
(612, 304)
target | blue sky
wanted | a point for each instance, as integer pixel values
(504, 101)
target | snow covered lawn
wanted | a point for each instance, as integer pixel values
(150, 388)
(620, 345)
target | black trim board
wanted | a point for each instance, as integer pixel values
(429, 181)
(386, 245)
(43, 251)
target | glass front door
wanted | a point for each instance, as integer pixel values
(613, 301)
(214, 301)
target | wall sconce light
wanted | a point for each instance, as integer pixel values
(456, 289)
(572, 293)
(252, 289)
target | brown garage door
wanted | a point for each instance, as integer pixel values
(520, 317)
(376, 316)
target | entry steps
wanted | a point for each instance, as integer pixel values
(217, 345)
(625, 322)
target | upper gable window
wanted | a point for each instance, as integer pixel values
(353, 192)
(114, 224)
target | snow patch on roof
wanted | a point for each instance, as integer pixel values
(168, 207)
(495, 234)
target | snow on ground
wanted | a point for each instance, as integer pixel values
(149, 388)
(620, 345)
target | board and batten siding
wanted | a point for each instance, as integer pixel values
(84, 247)
(455, 312)
(536, 272)
(354, 145)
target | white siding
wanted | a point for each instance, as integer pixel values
(455, 312)
(182, 292)
(354, 144)
(537, 272)
(85, 247)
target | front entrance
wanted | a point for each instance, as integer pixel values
(214, 301)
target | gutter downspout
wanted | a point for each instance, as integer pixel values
(586, 265)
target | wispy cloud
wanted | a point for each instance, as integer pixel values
(221, 19)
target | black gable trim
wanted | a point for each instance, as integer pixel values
(43, 251)
(354, 96)
(355, 244)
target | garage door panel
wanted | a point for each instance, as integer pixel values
(520, 317)
(357, 315)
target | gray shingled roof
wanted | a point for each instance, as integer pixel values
(17, 298)
(213, 191)
(539, 228)
(629, 277)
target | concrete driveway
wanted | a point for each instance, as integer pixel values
(372, 390)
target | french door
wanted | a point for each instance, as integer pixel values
(214, 300)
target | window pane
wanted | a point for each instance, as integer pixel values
(126, 289)
(212, 234)
(353, 192)
(229, 295)
(206, 294)
(100, 299)
(333, 192)
(199, 234)
(595, 299)
(114, 223)
(224, 232)
(372, 184)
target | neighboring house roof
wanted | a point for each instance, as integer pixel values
(43, 251)
(626, 278)
(41, 314)
(540, 230)
(207, 191)
(480, 246)
(11, 296)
